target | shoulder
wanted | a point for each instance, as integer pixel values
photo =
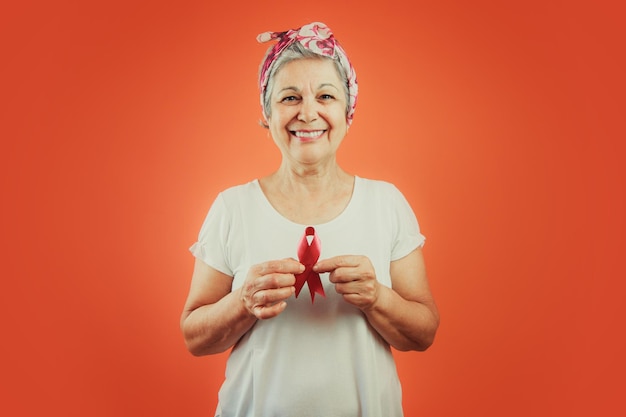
(234, 194)
(377, 187)
(384, 193)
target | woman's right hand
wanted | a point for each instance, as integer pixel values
(268, 285)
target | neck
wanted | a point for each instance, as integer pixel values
(327, 192)
(310, 180)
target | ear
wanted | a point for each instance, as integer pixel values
(264, 122)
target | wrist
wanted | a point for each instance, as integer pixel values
(379, 300)
(242, 305)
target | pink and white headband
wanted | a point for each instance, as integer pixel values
(317, 38)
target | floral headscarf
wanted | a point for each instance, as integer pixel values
(317, 38)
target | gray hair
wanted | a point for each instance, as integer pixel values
(295, 52)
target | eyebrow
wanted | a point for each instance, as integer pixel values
(327, 85)
(296, 89)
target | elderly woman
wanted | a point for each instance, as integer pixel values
(309, 229)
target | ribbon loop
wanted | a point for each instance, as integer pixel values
(308, 254)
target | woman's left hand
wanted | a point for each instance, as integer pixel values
(354, 278)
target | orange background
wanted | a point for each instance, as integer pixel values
(502, 122)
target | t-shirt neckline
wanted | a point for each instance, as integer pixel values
(270, 208)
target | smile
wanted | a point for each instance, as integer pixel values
(307, 134)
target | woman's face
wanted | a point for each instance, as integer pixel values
(308, 111)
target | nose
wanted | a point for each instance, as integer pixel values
(308, 110)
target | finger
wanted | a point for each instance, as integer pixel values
(272, 296)
(354, 287)
(273, 281)
(268, 312)
(359, 300)
(360, 297)
(343, 289)
(343, 275)
(330, 264)
(281, 266)
(351, 274)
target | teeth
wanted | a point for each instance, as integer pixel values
(312, 134)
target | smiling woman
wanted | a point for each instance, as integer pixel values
(364, 258)
(308, 108)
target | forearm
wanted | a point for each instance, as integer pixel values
(214, 328)
(404, 324)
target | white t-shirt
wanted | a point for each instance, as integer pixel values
(318, 359)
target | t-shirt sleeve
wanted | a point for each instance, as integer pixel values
(211, 246)
(407, 235)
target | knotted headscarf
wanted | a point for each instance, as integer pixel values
(317, 38)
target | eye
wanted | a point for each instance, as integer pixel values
(288, 99)
(327, 97)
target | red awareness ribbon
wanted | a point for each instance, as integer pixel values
(308, 254)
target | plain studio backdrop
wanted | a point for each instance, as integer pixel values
(502, 123)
